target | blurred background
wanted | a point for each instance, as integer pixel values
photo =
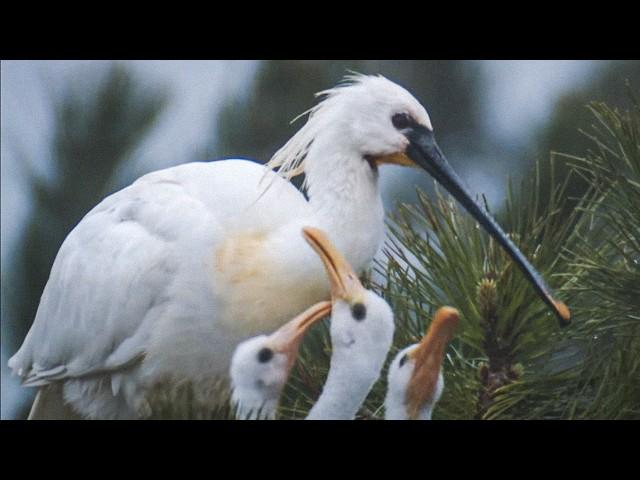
(76, 131)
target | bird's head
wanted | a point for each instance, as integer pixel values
(261, 365)
(370, 121)
(358, 123)
(361, 321)
(415, 380)
(370, 115)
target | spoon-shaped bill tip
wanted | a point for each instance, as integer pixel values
(446, 319)
(564, 315)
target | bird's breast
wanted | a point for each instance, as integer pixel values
(254, 288)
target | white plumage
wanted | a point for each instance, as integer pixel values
(136, 279)
(162, 279)
(260, 365)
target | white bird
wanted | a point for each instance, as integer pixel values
(415, 381)
(260, 365)
(361, 335)
(161, 280)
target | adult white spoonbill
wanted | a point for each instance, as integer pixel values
(361, 335)
(161, 280)
(414, 381)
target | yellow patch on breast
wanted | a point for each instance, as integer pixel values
(237, 258)
(254, 292)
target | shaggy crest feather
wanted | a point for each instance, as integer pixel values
(290, 159)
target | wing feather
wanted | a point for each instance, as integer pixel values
(110, 279)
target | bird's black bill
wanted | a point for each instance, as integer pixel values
(424, 150)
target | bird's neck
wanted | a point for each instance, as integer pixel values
(344, 196)
(395, 406)
(346, 388)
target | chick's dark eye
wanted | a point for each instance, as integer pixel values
(401, 121)
(265, 355)
(403, 360)
(358, 311)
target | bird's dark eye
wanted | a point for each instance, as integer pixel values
(401, 121)
(358, 311)
(265, 355)
(403, 360)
